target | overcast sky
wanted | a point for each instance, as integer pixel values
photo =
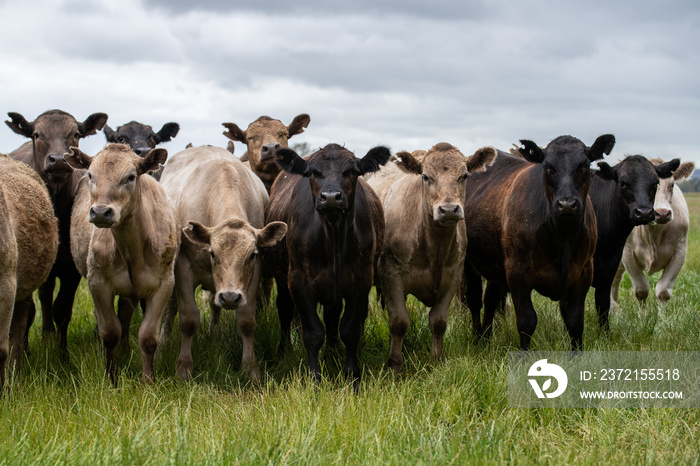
(407, 74)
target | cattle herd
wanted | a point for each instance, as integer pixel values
(326, 228)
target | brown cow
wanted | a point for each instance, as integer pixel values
(28, 245)
(52, 134)
(425, 243)
(263, 137)
(124, 239)
(221, 204)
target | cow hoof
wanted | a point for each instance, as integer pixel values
(395, 364)
(664, 296)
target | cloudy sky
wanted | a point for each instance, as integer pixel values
(407, 74)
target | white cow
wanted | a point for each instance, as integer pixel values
(660, 245)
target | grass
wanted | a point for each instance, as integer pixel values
(452, 411)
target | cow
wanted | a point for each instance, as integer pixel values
(335, 232)
(28, 245)
(141, 138)
(425, 240)
(124, 239)
(623, 198)
(221, 205)
(531, 226)
(660, 245)
(262, 138)
(52, 134)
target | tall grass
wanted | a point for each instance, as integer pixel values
(451, 411)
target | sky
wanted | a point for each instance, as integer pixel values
(406, 74)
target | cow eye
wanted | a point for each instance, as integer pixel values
(76, 136)
(426, 178)
(89, 175)
(212, 255)
(252, 255)
(130, 179)
(463, 177)
(121, 139)
(315, 173)
(35, 136)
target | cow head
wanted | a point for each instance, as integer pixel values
(114, 178)
(265, 135)
(663, 210)
(332, 173)
(636, 181)
(52, 134)
(140, 137)
(234, 249)
(445, 170)
(566, 171)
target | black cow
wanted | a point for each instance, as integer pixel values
(530, 226)
(623, 197)
(141, 138)
(52, 134)
(336, 230)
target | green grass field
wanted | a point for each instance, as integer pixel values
(452, 411)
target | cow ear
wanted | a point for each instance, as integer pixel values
(298, 124)
(20, 125)
(92, 124)
(666, 169)
(531, 151)
(77, 159)
(601, 147)
(197, 233)
(109, 134)
(235, 133)
(167, 132)
(408, 163)
(230, 147)
(481, 159)
(271, 234)
(153, 160)
(290, 161)
(373, 159)
(684, 171)
(606, 172)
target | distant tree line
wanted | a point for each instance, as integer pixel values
(691, 185)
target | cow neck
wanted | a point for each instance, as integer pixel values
(440, 239)
(337, 235)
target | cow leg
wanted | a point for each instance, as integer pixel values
(63, 305)
(437, 320)
(285, 310)
(669, 275)
(166, 328)
(214, 311)
(472, 295)
(46, 301)
(331, 319)
(148, 331)
(399, 321)
(615, 290)
(124, 310)
(602, 304)
(572, 308)
(312, 327)
(18, 327)
(245, 321)
(189, 318)
(8, 285)
(351, 329)
(494, 298)
(525, 314)
(640, 283)
(31, 313)
(108, 324)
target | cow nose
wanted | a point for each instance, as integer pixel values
(643, 215)
(568, 206)
(662, 216)
(330, 200)
(101, 215)
(142, 151)
(54, 160)
(229, 299)
(449, 213)
(269, 150)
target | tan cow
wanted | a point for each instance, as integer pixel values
(262, 138)
(124, 239)
(221, 205)
(660, 245)
(424, 246)
(28, 245)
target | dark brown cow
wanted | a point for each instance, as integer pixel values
(335, 231)
(531, 226)
(141, 138)
(52, 134)
(263, 137)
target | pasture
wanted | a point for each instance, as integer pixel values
(450, 411)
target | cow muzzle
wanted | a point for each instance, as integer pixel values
(56, 166)
(102, 216)
(448, 214)
(567, 207)
(663, 216)
(230, 299)
(332, 205)
(268, 151)
(642, 215)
